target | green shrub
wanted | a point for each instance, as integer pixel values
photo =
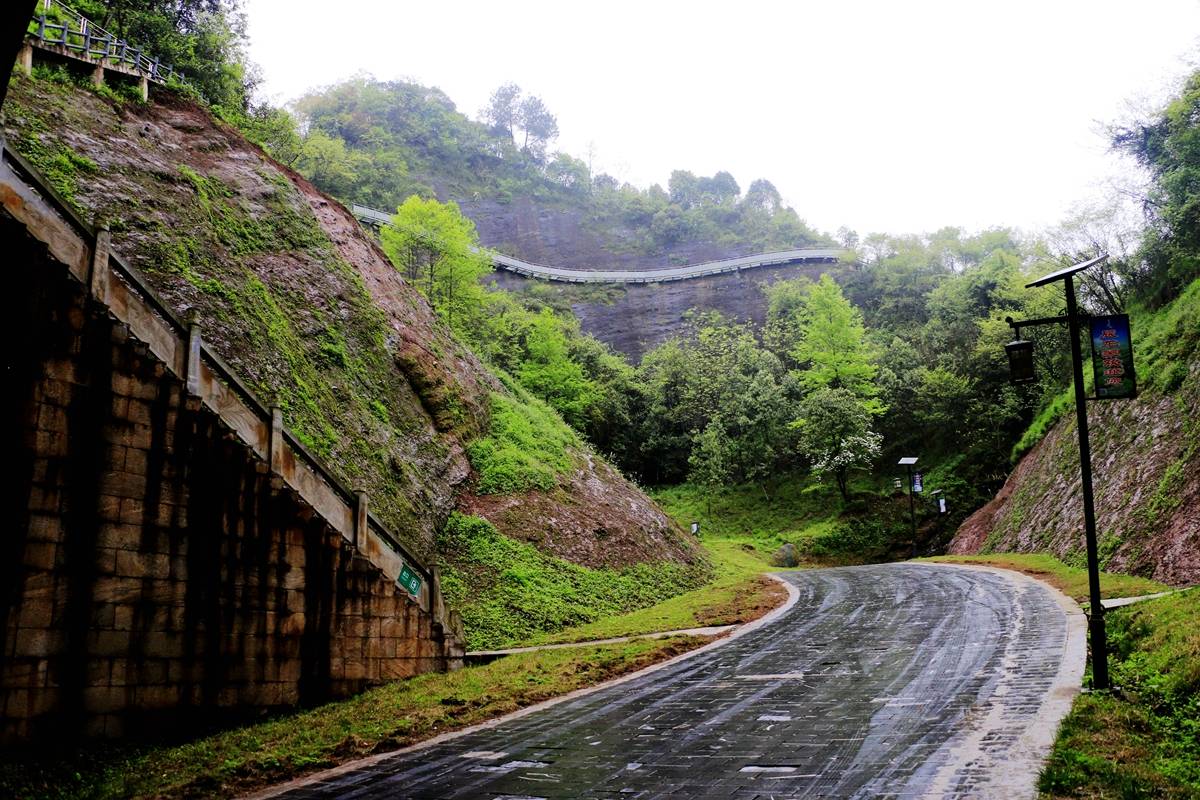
(526, 447)
(507, 590)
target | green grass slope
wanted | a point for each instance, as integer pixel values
(1142, 739)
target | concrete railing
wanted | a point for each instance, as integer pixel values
(378, 218)
(86, 253)
(60, 29)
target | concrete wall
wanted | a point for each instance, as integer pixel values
(153, 571)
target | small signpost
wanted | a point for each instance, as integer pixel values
(410, 580)
(1112, 357)
(914, 486)
(941, 505)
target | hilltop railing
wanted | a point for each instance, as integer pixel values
(58, 24)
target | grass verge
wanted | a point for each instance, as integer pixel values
(766, 515)
(510, 592)
(739, 592)
(1142, 739)
(1071, 581)
(385, 718)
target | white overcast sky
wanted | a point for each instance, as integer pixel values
(880, 116)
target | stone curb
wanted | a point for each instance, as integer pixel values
(711, 630)
(1121, 602)
(351, 766)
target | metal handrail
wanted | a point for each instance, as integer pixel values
(133, 277)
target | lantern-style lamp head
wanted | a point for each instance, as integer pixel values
(1020, 361)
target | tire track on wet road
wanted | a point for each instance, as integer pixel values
(896, 680)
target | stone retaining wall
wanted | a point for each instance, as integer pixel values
(153, 571)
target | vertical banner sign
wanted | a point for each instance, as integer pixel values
(1112, 357)
(916, 484)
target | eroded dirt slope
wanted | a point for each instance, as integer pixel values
(306, 308)
(1146, 474)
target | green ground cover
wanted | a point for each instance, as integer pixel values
(791, 508)
(509, 592)
(388, 717)
(1142, 739)
(739, 592)
(526, 448)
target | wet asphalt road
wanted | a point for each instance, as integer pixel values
(900, 680)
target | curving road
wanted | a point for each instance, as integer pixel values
(902, 680)
(377, 218)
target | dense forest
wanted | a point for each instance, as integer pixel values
(903, 355)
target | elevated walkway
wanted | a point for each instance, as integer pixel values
(376, 218)
(62, 33)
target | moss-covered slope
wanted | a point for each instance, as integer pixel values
(309, 312)
(1145, 461)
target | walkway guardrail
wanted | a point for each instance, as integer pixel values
(378, 218)
(58, 24)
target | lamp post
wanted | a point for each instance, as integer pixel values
(907, 462)
(1020, 354)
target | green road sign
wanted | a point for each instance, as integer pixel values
(410, 580)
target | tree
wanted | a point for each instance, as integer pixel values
(324, 160)
(747, 435)
(763, 196)
(720, 189)
(549, 372)
(1168, 146)
(204, 39)
(538, 124)
(1103, 228)
(832, 348)
(510, 111)
(438, 250)
(786, 301)
(684, 188)
(669, 225)
(501, 110)
(717, 405)
(835, 435)
(570, 173)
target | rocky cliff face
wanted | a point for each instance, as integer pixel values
(1146, 471)
(562, 237)
(306, 308)
(634, 318)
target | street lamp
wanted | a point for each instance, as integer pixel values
(1020, 358)
(938, 500)
(1020, 355)
(907, 462)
